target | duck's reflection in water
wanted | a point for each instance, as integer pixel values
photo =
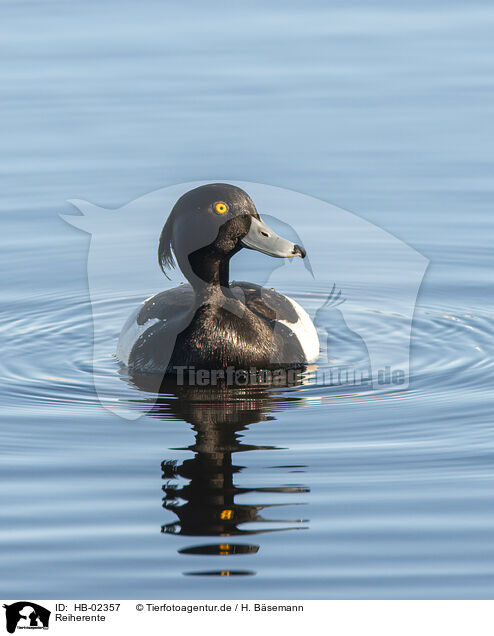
(204, 491)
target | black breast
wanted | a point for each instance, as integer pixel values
(242, 332)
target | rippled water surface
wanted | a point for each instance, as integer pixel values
(381, 108)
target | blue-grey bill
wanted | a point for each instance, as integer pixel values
(261, 238)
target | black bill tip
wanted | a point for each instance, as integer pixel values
(299, 251)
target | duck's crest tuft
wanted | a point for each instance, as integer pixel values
(165, 250)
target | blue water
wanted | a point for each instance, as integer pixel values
(382, 108)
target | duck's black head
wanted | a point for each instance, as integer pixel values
(208, 225)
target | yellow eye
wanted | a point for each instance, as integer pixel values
(220, 207)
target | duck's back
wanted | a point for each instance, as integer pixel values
(259, 328)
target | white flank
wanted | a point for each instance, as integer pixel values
(304, 330)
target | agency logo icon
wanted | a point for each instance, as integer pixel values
(26, 615)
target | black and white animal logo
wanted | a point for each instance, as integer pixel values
(26, 614)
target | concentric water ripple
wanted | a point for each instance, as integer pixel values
(48, 360)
